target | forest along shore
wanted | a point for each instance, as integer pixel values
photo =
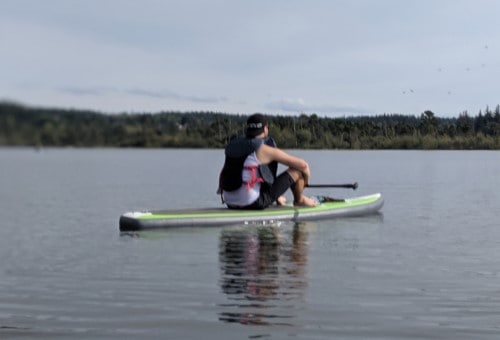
(29, 126)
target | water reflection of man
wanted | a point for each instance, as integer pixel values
(262, 264)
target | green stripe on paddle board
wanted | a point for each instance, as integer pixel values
(357, 201)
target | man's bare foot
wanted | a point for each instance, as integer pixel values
(306, 202)
(281, 200)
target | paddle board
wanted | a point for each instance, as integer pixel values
(147, 220)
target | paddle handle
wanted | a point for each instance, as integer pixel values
(352, 186)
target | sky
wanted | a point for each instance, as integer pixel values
(333, 58)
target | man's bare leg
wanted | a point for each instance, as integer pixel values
(299, 199)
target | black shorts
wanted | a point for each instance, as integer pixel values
(269, 193)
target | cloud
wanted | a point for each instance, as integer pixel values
(175, 96)
(288, 104)
(84, 91)
(139, 92)
(153, 93)
(298, 105)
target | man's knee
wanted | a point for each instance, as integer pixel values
(295, 174)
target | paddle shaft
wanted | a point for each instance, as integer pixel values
(352, 186)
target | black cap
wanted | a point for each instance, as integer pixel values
(255, 125)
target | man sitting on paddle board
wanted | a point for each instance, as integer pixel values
(248, 179)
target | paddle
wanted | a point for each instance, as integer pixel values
(352, 186)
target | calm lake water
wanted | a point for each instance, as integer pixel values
(428, 267)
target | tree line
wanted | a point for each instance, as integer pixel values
(29, 126)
